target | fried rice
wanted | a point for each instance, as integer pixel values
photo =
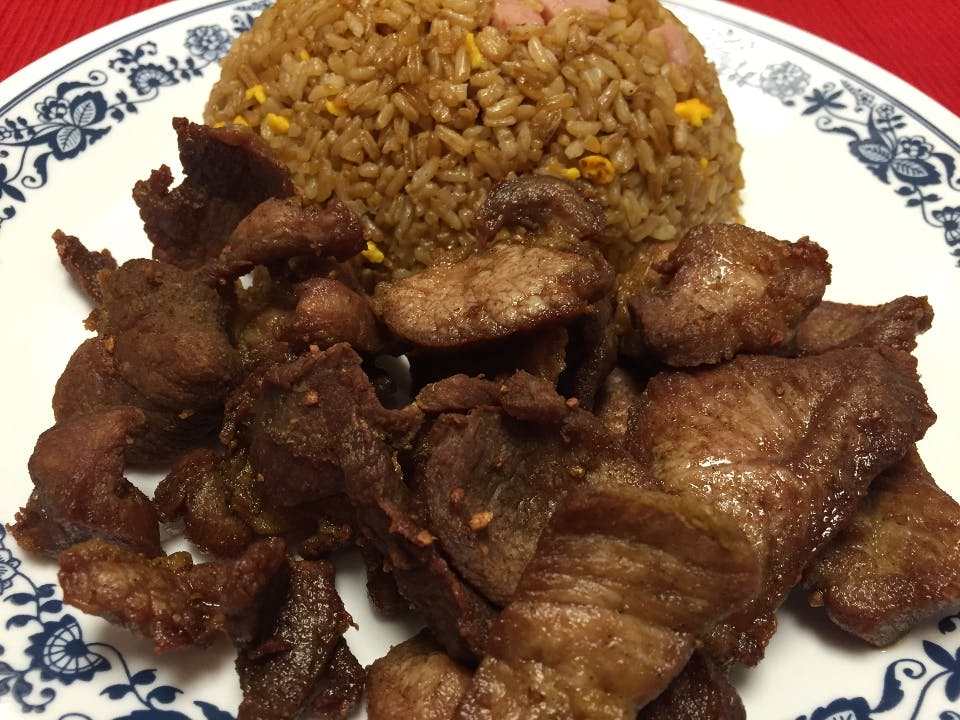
(411, 110)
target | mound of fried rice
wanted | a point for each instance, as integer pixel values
(410, 110)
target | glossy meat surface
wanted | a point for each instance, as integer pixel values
(415, 679)
(282, 671)
(80, 491)
(622, 578)
(898, 562)
(786, 447)
(894, 324)
(728, 289)
(281, 228)
(169, 599)
(505, 289)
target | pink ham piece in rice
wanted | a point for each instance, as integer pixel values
(673, 41)
(512, 13)
(552, 8)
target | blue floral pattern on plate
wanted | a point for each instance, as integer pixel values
(912, 687)
(878, 137)
(81, 111)
(76, 112)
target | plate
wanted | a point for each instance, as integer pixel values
(835, 149)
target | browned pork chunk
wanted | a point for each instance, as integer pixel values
(281, 228)
(170, 600)
(898, 562)
(83, 264)
(316, 427)
(502, 290)
(609, 609)
(340, 687)
(284, 670)
(415, 679)
(200, 489)
(80, 490)
(91, 382)
(162, 348)
(786, 447)
(301, 417)
(491, 478)
(894, 324)
(701, 692)
(168, 334)
(620, 391)
(328, 312)
(222, 503)
(728, 289)
(537, 202)
(875, 580)
(228, 172)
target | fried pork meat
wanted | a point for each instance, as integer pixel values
(787, 447)
(621, 578)
(728, 289)
(581, 473)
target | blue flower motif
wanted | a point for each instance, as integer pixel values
(914, 147)
(146, 79)
(61, 654)
(886, 112)
(843, 709)
(949, 219)
(784, 80)
(209, 42)
(52, 108)
(8, 569)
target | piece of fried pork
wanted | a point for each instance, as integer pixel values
(727, 289)
(786, 447)
(610, 608)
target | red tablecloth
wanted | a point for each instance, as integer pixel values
(916, 40)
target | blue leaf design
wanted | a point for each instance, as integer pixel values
(51, 606)
(952, 687)
(47, 590)
(11, 192)
(115, 692)
(892, 690)
(872, 152)
(19, 621)
(21, 598)
(87, 109)
(144, 677)
(164, 694)
(40, 166)
(948, 163)
(154, 714)
(212, 712)
(916, 172)
(68, 141)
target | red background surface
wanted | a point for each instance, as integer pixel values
(917, 40)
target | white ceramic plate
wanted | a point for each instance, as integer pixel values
(834, 148)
